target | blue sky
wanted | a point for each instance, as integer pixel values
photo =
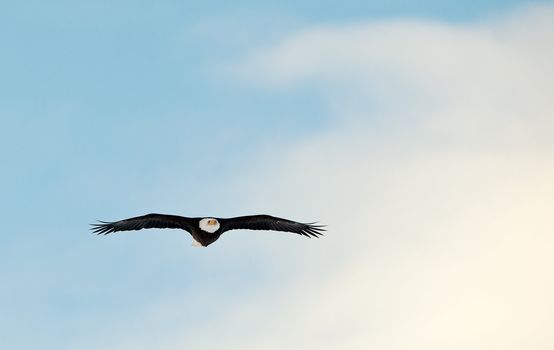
(113, 109)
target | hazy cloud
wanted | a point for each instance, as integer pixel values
(436, 184)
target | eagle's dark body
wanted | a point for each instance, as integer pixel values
(207, 230)
(205, 239)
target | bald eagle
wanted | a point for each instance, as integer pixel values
(206, 230)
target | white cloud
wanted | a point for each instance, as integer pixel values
(472, 79)
(436, 183)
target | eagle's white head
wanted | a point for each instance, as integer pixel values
(209, 225)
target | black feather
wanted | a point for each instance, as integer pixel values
(145, 221)
(267, 222)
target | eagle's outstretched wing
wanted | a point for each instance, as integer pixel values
(267, 222)
(145, 221)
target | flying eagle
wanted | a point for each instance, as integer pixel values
(205, 231)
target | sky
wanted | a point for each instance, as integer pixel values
(420, 132)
